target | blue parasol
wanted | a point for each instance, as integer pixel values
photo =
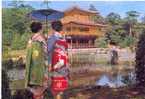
(46, 15)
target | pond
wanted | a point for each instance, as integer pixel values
(16, 74)
(116, 80)
(111, 76)
(90, 67)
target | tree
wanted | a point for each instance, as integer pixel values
(118, 30)
(15, 22)
(97, 18)
(140, 61)
(113, 18)
(115, 32)
(114, 36)
(131, 21)
(101, 42)
(15, 19)
(20, 41)
(128, 42)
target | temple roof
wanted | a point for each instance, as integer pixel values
(89, 23)
(76, 8)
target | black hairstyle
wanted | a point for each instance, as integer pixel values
(36, 27)
(57, 26)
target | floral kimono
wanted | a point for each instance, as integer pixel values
(60, 67)
(36, 61)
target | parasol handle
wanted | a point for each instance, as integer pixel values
(46, 21)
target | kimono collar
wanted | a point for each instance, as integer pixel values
(58, 34)
(38, 37)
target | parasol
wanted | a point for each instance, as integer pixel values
(46, 15)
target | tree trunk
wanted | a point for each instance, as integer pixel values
(130, 31)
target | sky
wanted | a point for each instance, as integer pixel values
(103, 7)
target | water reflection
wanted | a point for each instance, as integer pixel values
(116, 79)
(112, 76)
(105, 80)
(16, 74)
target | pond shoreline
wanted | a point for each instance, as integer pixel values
(92, 74)
(98, 92)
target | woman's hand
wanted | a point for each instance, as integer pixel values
(29, 43)
(46, 78)
(49, 68)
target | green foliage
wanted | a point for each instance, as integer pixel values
(24, 39)
(20, 42)
(16, 43)
(130, 22)
(113, 18)
(140, 61)
(5, 52)
(96, 18)
(116, 35)
(132, 14)
(15, 26)
(119, 37)
(7, 38)
(15, 22)
(124, 31)
(101, 42)
(127, 42)
(8, 64)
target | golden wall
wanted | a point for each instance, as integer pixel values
(76, 17)
(92, 31)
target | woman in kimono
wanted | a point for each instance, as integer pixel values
(60, 68)
(113, 54)
(36, 62)
(58, 59)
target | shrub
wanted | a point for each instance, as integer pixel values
(20, 41)
(140, 61)
(127, 42)
(6, 93)
(5, 52)
(101, 42)
(23, 94)
(8, 64)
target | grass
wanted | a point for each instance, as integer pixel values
(81, 57)
(16, 84)
(18, 53)
(15, 54)
(87, 58)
